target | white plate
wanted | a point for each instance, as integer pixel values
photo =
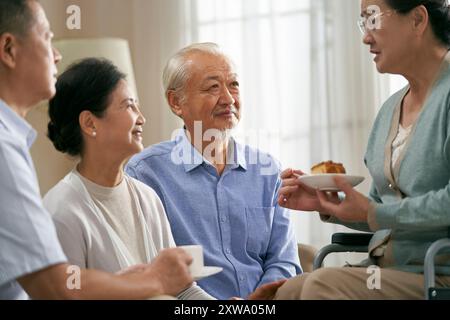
(206, 272)
(325, 182)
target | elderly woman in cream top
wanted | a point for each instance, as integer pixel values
(104, 219)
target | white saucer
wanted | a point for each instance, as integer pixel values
(206, 272)
(325, 182)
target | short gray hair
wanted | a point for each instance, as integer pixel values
(176, 73)
(16, 17)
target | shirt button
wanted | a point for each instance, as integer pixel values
(391, 186)
(242, 278)
(228, 251)
(223, 219)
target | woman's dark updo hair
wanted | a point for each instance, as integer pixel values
(438, 11)
(85, 86)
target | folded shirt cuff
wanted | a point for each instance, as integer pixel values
(372, 217)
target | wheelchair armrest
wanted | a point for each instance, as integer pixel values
(431, 292)
(343, 242)
(351, 239)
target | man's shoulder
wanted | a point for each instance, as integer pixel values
(7, 139)
(12, 149)
(152, 153)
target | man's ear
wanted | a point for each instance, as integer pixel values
(8, 49)
(174, 99)
(420, 19)
(87, 123)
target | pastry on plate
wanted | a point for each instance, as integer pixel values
(328, 167)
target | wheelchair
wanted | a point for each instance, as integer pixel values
(358, 242)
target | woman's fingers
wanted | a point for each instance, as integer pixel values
(325, 203)
(290, 182)
(289, 173)
(333, 197)
(287, 191)
(286, 173)
(309, 190)
(343, 185)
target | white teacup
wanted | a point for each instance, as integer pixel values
(196, 252)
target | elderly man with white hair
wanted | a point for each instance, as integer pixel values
(217, 192)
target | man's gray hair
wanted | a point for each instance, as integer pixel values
(16, 17)
(176, 71)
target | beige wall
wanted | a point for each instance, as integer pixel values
(154, 30)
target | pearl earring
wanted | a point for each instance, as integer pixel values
(94, 133)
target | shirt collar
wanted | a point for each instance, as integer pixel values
(16, 124)
(196, 159)
(240, 154)
(193, 159)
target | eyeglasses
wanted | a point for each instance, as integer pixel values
(372, 22)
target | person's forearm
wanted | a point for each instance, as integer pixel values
(424, 212)
(277, 272)
(101, 285)
(360, 226)
(56, 282)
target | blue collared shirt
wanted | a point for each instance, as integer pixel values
(28, 240)
(234, 216)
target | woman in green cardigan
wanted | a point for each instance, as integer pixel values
(408, 157)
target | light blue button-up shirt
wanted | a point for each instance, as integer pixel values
(234, 216)
(28, 240)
